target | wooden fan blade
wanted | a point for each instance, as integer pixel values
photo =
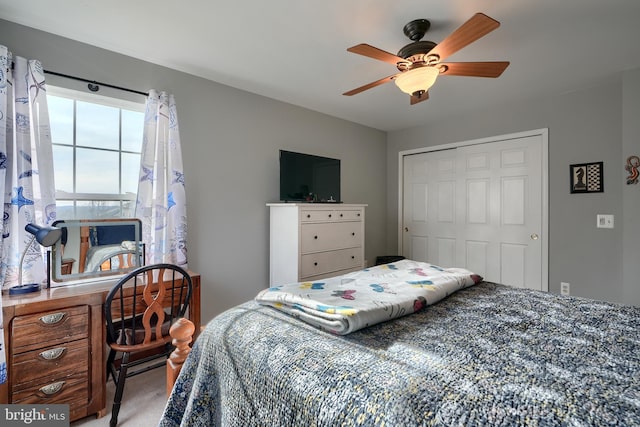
(415, 99)
(375, 53)
(474, 69)
(370, 85)
(479, 25)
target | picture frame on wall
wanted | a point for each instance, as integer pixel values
(587, 178)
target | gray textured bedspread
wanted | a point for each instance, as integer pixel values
(488, 355)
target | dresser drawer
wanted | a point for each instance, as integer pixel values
(72, 390)
(331, 215)
(324, 236)
(51, 362)
(315, 215)
(327, 262)
(350, 215)
(34, 331)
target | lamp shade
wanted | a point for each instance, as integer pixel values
(417, 79)
(46, 236)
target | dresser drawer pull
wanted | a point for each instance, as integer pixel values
(52, 388)
(308, 215)
(353, 234)
(53, 354)
(315, 263)
(52, 319)
(315, 237)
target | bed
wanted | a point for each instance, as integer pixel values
(483, 354)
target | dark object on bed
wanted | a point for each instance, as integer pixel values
(138, 325)
(386, 259)
(488, 355)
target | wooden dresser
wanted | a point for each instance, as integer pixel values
(311, 241)
(55, 342)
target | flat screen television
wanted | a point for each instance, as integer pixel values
(309, 178)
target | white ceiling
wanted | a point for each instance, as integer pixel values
(295, 50)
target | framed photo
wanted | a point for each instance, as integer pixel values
(587, 178)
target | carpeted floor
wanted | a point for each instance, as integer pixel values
(142, 404)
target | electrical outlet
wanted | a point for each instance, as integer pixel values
(565, 288)
(604, 221)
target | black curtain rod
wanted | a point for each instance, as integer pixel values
(93, 85)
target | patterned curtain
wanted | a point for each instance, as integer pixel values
(161, 204)
(26, 171)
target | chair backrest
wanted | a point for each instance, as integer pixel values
(142, 306)
(117, 260)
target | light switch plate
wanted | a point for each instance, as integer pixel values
(604, 221)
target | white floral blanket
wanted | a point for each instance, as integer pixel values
(353, 301)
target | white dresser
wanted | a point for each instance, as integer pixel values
(310, 241)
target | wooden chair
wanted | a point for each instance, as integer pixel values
(139, 311)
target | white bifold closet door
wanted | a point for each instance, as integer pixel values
(478, 207)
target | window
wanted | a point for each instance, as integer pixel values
(96, 153)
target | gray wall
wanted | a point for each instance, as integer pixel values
(584, 126)
(230, 142)
(631, 193)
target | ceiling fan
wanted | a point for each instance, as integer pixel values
(420, 62)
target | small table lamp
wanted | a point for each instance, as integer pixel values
(47, 237)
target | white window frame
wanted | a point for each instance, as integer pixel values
(74, 197)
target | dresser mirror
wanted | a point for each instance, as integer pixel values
(95, 248)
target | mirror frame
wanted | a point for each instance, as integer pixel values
(82, 231)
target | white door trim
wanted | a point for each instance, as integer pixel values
(543, 133)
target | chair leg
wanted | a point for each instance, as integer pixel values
(111, 370)
(117, 399)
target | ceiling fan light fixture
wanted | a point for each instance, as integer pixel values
(417, 80)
